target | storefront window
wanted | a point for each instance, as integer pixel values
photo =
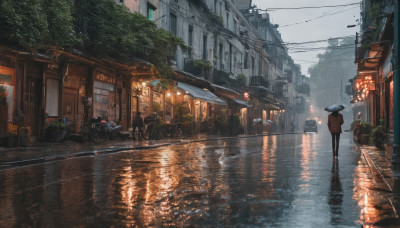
(158, 104)
(197, 114)
(10, 98)
(7, 76)
(168, 108)
(391, 100)
(52, 97)
(144, 106)
(103, 100)
(264, 119)
(204, 111)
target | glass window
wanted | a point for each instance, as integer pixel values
(172, 23)
(205, 47)
(190, 41)
(221, 49)
(150, 11)
(52, 97)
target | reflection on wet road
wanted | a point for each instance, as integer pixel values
(281, 181)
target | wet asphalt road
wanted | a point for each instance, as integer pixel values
(273, 181)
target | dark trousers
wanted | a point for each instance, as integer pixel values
(140, 132)
(335, 143)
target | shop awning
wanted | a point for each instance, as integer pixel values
(201, 94)
(272, 107)
(242, 103)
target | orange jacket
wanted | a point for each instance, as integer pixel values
(335, 123)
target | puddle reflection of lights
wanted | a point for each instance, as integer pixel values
(305, 157)
(268, 161)
(166, 181)
(127, 187)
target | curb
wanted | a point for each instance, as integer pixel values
(377, 177)
(27, 162)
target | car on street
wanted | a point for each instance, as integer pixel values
(310, 126)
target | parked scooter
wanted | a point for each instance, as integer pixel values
(106, 130)
(113, 130)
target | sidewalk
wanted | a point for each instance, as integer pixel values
(379, 162)
(48, 152)
(384, 176)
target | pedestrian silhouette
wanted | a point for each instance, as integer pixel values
(335, 121)
(138, 123)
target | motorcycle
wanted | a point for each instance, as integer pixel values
(106, 130)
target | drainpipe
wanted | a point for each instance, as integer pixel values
(396, 85)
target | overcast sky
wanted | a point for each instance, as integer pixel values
(333, 23)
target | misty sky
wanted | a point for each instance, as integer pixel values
(333, 25)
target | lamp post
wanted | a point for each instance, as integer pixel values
(396, 85)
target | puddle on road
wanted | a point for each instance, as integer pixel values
(260, 181)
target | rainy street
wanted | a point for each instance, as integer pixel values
(278, 180)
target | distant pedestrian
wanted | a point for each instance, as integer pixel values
(335, 121)
(138, 123)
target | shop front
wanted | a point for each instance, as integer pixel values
(201, 103)
(386, 93)
(7, 92)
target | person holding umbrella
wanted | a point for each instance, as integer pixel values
(335, 121)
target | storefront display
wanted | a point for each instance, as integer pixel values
(204, 111)
(144, 102)
(7, 81)
(169, 108)
(104, 97)
(158, 103)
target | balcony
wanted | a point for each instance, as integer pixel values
(304, 89)
(222, 78)
(300, 105)
(199, 68)
(259, 81)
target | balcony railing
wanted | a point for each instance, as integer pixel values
(222, 78)
(304, 89)
(190, 67)
(259, 81)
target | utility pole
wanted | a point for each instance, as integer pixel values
(396, 85)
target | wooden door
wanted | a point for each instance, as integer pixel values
(33, 104)
(70, 105)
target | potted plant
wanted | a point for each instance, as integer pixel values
(15, 135)
(378, 135)
(56, 131)
(365, 131)
(3, 111)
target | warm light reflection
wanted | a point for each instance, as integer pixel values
(268, 161)
(305, 157)
(365, 195)
(127, 187)
(166, 180)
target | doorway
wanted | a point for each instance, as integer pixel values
(33, 104)
(69, 105)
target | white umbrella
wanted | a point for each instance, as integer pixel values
(334, 107)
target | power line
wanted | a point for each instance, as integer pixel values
(313, 19)
(311, 50)
(307, 7)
